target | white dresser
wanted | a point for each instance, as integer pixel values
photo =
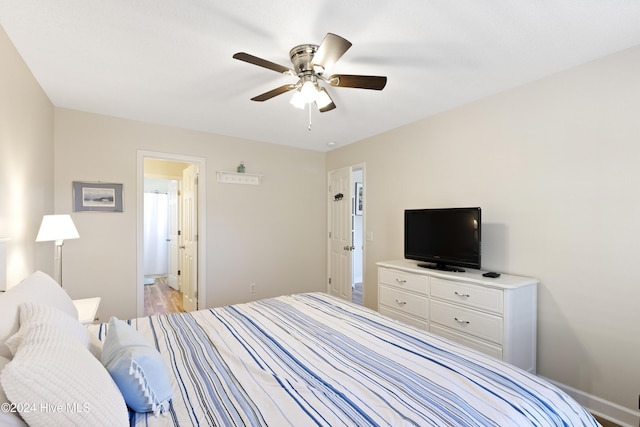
(494, 316)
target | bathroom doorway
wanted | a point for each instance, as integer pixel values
(162, 291)
(170, 220)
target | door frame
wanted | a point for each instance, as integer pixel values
(202, 217)
(362, 167)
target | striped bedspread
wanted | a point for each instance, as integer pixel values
(315, 360)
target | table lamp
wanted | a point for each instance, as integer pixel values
(57, 228)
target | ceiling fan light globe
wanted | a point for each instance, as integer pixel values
(323, 99)
(297, 100)
(309, 92)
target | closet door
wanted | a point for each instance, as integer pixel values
(340, 233)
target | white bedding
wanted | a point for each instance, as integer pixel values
(312, 359)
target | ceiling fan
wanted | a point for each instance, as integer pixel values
(309, 64)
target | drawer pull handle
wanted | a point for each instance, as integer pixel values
(401, 282)
(462, 322)
(400, 302)
(462, 295)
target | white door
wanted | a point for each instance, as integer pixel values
(189, 239)
(173, 234)
(340, 244)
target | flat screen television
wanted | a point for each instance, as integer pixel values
(444, 239)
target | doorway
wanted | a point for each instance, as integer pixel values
(171, 219)
(346, 225)
(162, 289)
(357, 281)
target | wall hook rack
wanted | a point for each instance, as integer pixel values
(239, 178)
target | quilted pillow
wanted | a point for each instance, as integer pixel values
(137, 368)
(8, 418)
(38, 287)
(65, 384)
(32, 313)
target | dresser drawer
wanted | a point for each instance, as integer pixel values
(481, 325)
(405, 318)
(464, 339)
(410, 282)
(469, 295)
(403, 301)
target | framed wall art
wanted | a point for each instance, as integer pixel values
(97, 196)
(358, 210)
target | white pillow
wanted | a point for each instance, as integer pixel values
(39, 287)
(8, 418)
(65, 384)
(33, 313)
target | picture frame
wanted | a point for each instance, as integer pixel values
(358, 198)
(97, 197)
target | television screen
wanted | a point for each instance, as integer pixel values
(444, 239)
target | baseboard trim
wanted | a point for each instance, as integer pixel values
(613, 412)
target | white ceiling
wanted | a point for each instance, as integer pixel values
(170, 61)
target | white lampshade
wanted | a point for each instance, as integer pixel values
(298, 100)
(323, 99)
(309, 92)
(58, 228)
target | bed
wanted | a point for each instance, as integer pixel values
(313, 359)
(316, 360)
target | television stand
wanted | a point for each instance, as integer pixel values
(494, 316)
(442, 267)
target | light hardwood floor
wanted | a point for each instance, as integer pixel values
(160, 298)
(356, 294)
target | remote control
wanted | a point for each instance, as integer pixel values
(491, 274)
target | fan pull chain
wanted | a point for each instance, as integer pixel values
(309, 117)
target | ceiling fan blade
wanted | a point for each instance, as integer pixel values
(275, 92)
(330, 50)
(243, 56)
(327, 108)
(360, 82)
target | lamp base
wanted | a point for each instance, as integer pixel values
(59, 244)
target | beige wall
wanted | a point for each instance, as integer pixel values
(555, 166)
(272, 234)
(26, 166)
